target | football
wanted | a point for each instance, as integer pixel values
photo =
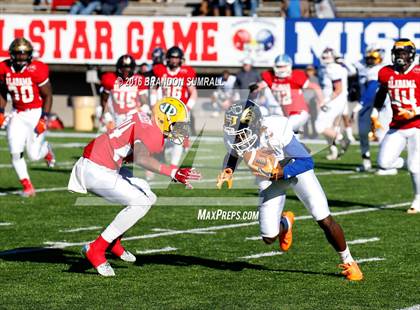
(263, 162)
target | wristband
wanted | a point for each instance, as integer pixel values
(1, 110)
(168, 170)
(45, 114)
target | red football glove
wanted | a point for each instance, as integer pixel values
(184, 175)
(2, 118)
(41, 126)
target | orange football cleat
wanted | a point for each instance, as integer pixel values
(351, 271)
(286, 237)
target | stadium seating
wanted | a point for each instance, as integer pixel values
(377, 8)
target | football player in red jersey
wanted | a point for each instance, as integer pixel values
(286, 85)
(401, 82)
(99, 172)
(122, 92)
(28, 84)
(175, 80)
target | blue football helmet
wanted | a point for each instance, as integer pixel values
(283, 66)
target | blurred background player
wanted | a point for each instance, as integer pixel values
(27, 82)
(334, 86)
(122, 92)
(246, 131)
(401, 82)
(353, 94)
(223, 97)
(368, 79)
(158, 56)
(99, 172)
(175, 82)
(245, 77)
(287, 87)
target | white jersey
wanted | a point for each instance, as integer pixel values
(367, 74)
(277, 134)
(331, 73)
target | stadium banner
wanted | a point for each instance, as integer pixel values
(212, 41)
(305, 39)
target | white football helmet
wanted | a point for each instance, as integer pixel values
(283, 66)
(328, 56)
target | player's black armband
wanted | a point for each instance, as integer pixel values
(2, 110)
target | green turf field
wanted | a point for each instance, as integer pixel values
(187, 263)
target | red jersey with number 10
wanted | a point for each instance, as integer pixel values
(24, 86)
(404, 92)
(112, 148)
(288, 91)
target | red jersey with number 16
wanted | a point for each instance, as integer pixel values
(112, 148)
(288, 91)
(175, 84)
(404, 92)
(24, 85)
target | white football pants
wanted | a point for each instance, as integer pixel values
(394, 143)
(297, 121)
(326, 119)
(117, 187)
(273, 198)
(21, 134)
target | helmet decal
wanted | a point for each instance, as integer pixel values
(168, 109)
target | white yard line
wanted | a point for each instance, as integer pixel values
(42, 164)
(167, 249)
(265, 254)
(415, 307)
(5, 224)
(360, 176)
(80, 229)
(361, 241)
(372, 259)
(253, 238)
(210, 180)
(64, 244)
(196, 233)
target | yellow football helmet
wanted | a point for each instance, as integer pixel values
(172, 118)
(374, 56)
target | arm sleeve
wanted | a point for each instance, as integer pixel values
(380, 97)
(301, 159)
(231, 161)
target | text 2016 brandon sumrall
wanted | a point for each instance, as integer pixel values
(153, 81)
